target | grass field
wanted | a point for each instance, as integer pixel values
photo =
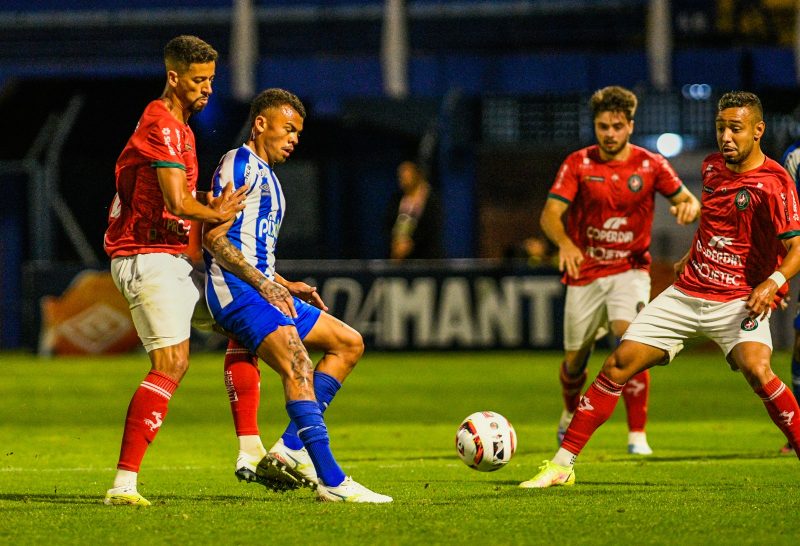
(715, 477)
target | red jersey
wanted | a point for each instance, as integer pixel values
(138, 221)
(611, 208)
(743, 218)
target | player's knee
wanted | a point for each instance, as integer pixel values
(617, 368)
(757, 373)
(353, 347)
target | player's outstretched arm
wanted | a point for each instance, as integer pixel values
(685, 207)
(215, 241)
(303, 291)
(180, 202)
(763, 296)
(570, 256)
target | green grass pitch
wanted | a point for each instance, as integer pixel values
(715, 478)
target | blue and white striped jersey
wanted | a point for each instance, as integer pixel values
(255, 229)
(791, 162)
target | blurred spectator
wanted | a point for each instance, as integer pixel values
(536, 250)
(414, 217)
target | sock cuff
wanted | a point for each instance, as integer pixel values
(329, 381)
(771, 390)
(160, 383)
(237, 352)
(607, 386)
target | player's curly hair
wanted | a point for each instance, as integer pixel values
(274, 98)
(614, 99)
(741, 99)
(182, 51)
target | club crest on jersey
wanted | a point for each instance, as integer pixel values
(742, 199)
(635, 183)
(749, 324)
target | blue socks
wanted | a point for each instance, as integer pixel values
(325, 388)
(307, 417)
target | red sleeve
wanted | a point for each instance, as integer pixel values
(667, 181)
(565, 186)
(160, 141)
(784, 206)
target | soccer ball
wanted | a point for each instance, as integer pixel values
(486, 441)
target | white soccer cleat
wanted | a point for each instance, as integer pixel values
(125, 496)
(296, 462)
(637, 444)
(350, 491)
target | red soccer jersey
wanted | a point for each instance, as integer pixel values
(743, 218)
(611, 208)
(138, 221)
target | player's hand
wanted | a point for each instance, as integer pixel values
(306, 293)
(570, 259)
(278, 296)
(782, 298)
(680, 265)
(685, 212)
(761, 299)
(228, 203)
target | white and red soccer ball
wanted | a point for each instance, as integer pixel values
(486, 441)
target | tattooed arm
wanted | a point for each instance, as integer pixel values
(301, 290)
(215, 240)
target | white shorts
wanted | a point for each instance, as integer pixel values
(588, 309)
(674, 317)
(160, 294)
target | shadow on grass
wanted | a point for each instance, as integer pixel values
(29, 498)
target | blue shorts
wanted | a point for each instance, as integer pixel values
(251, 318)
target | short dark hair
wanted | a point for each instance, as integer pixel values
(275, 98)
(741, 99)
(614, 99)
(182, 51)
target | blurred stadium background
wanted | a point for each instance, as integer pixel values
(490, 94)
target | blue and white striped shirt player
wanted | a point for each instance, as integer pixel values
(254, 231)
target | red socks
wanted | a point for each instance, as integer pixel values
(783, 409)
(594, 409)
(243, 382)
(571, 388)
(635, 395)
(147, 410)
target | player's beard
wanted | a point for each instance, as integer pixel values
(614, 149)
(197, 105)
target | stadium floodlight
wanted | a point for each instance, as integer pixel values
(669, 144)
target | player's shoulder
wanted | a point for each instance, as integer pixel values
(156, 115)
(639, 155)
(583, 155)
(712, 162)
(775, 170)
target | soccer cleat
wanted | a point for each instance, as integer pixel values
(787, 449)
(563, 424)
(124, 496)
(263, 473)
(550, 474)
(296, 462)
(637, 444)
(350, 491)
